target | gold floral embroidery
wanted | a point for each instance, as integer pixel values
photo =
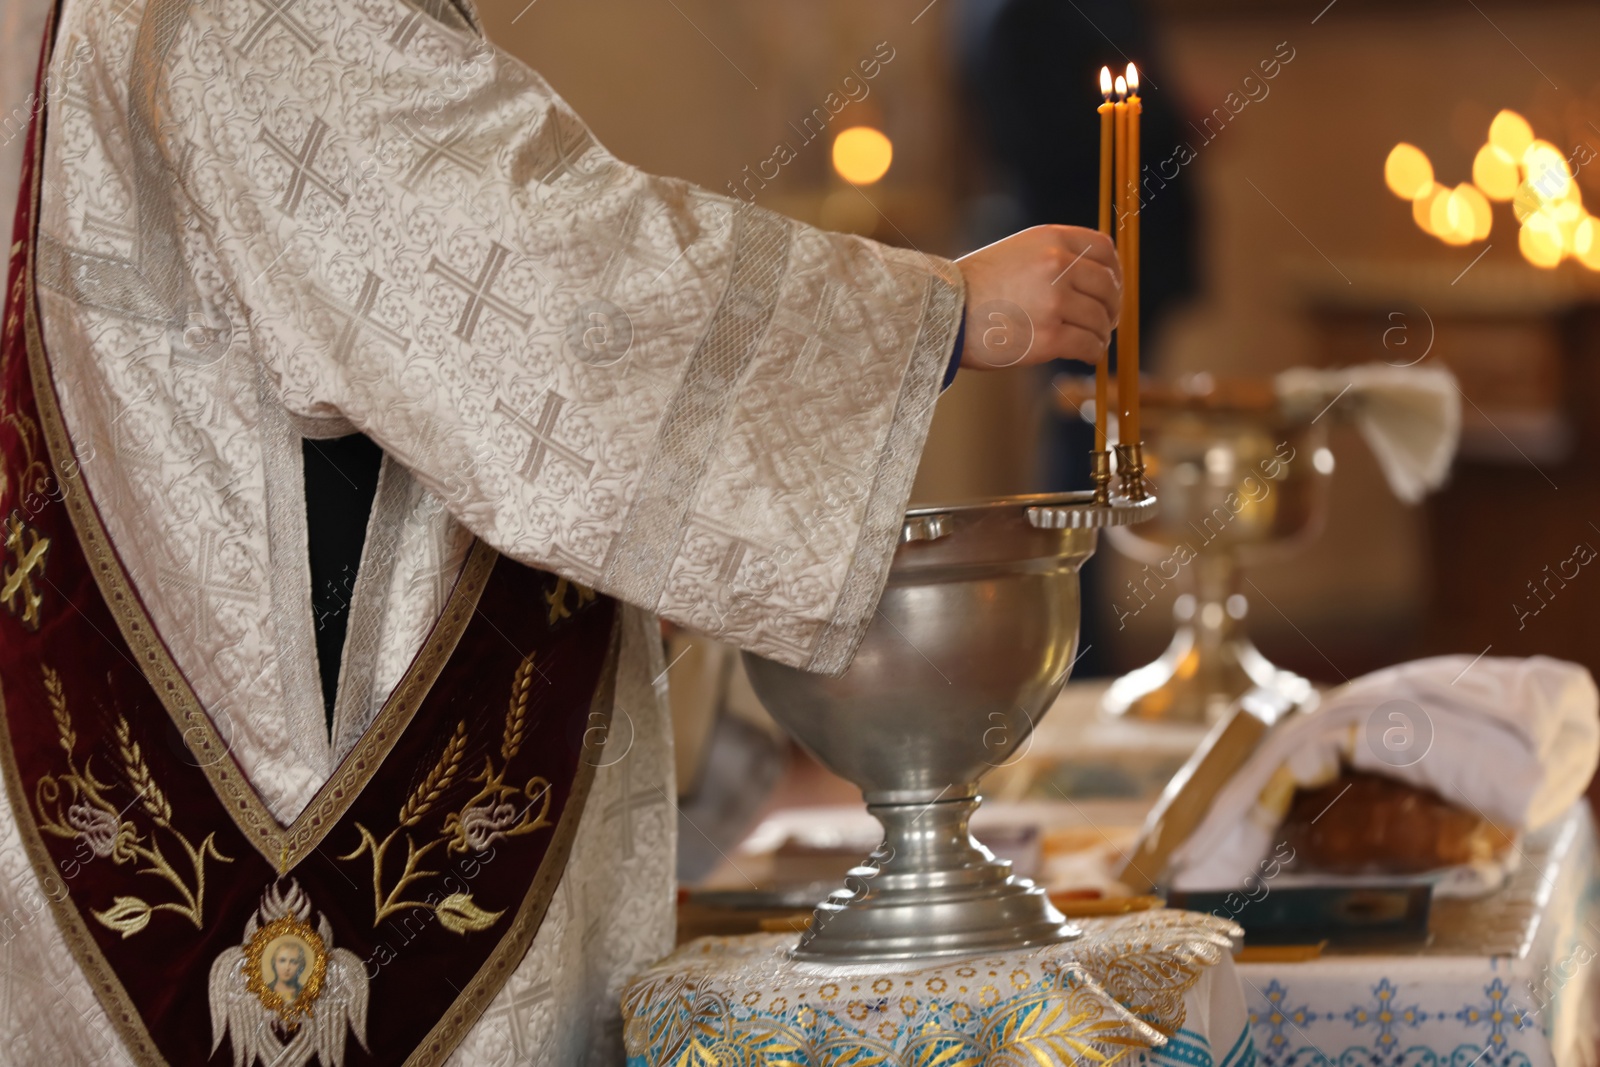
(497, 811)
(1149, 968)
(74, 806)
(698, 1030)
(17, 590)
(34, 475)
(1043, 1029)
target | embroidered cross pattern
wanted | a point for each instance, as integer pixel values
(277, 14)
(515, 1013)
(359, 320)
(627, 804)
(17, 590)
(210, 585)
(301, 162)
(543, 443)
(819, 334)
(435, 152)
(561, 145)
(739, 548)
(478, 291)
(406, 30)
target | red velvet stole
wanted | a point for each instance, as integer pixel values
(382, 921)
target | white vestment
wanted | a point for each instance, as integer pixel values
(265, 220)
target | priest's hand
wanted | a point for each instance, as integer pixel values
(1049, 292)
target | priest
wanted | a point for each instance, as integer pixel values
(359, 415)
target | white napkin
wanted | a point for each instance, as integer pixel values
(1516, 740)
(1409, 416)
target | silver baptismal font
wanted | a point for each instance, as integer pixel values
(973, 639)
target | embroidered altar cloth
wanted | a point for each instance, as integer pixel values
(1507, 980)
(1157, 987)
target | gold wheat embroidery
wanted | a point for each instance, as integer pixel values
(74, 806)
(499, 810)
(495, 812)
(417, 805)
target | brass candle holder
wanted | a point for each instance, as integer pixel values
(1100, 471)
(1130, 465)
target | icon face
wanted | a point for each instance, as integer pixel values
(285, 964)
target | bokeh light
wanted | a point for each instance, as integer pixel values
(1470, 213)
(1516, 166)
(1525, 202)
(1449, 219)
(862, 155)
(1540, 241)
(1407, 171)
(1494, 170)
(1422, 207)
(1547, 171)
(1586, 243)
(1511, 132)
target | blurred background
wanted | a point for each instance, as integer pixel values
(1283, 228)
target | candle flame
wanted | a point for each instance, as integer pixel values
(1133, 79)
(1122, 86)
(1105, 82)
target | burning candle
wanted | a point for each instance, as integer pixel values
(1120, 109)
(1108, 148)
(1128, 349)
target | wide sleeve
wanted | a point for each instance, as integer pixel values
(675, 397)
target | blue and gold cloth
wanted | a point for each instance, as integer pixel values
(1154, 988)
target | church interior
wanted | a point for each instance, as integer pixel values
(1227, 702)
(1349, 188)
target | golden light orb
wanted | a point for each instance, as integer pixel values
(1494, 170)
(1470, 212)
(1568, 217)
(1449, 219)
(1407, 171)
(1422, 207)
(1546, 171)
(1525, 202)
(1540, 241)
(862, 154)
(1586, 243)
(1511, 132)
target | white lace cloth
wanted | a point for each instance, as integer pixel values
(264, 220)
